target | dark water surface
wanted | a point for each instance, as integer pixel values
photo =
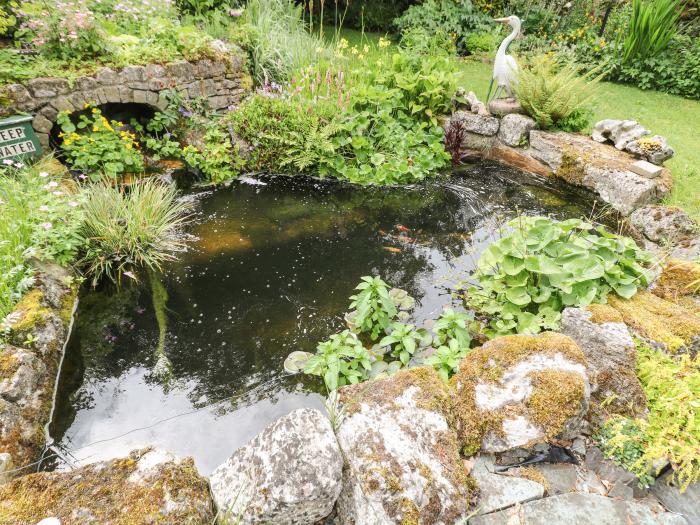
(271, 272)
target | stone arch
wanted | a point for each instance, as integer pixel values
(222, 82)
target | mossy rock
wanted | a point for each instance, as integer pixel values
(679, 282)
(670, 325)
(148, 486)
(402, 456)
(517, 391)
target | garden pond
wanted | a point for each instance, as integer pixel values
(270, 270)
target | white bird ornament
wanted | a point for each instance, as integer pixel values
(505, 68)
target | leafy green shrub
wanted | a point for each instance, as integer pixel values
(130, 228)
(403, 340)
(41, 216)
(453, 325)
(670, 431)
(100, 150)
(217, 158)
(374, 309)
(551, 92)
(652, 26)
(286, 135)
(526, 278)
(341, 360)
(485, 42)
(7, 17)
(457, 18)
(418, 40)
(446, 358)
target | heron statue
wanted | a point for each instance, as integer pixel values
(505, 68)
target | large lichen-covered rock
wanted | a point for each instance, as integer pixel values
(402, 457)
(36, 332)
(611, 355)
(287, 475)
(520, 390)
(515, 129)
(600, 168)
(149, 486)
(663, 224)
(669, 325)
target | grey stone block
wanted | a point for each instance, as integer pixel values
(86, 83)
(41, 124)
(107, 76)
(47, 87)
(134, 73)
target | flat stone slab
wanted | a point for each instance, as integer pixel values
(498, 491)
(646, 169)
(579, 509)
(686, 503)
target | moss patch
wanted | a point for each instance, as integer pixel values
(555, 400)
(680, 282)
(603, 313)
(488, 363)
(30, 311)
(658, 319)
(107, 495)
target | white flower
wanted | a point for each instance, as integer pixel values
(51, 184)
(73, 204)
(58, 193)
(7, 162)
(130, 274)
(46, 225)
(43, 207)
(43, 174)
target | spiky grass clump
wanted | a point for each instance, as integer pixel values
(131, 228)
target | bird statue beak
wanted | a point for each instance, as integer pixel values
(501, 20)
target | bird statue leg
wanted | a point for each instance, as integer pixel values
(488, 95)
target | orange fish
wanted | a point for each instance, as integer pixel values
(402, 228)
(392, 249)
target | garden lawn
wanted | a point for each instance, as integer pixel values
(676, 118)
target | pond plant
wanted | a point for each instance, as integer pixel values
(526, 278)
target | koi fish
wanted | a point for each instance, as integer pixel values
(392, 249)
(402, 228)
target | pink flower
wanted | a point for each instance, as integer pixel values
(46, 225)
(43, 207)
(43, 174)
(52, 184)
(73, 204)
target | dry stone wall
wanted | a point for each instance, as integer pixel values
(222, 82)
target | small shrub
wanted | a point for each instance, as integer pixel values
(374, 308)
(446, 358)
(217, 158)
(453, 325)
(481, 42)
(526, 278)
(670, 431)
(99, 149)
(418, 40)
(554, 94)
(127, 229)
(341, 360)
(403, 341)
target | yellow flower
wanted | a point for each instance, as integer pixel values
(319, 49)
(129, 146)
(366, 49)
(95, 129)
(384, 42)
(361, 56)
(94, 110)
(353, 50)
(67, 142)
(60, 134)
(343, 44)
(86, 105)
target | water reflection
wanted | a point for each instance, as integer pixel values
(271, 272)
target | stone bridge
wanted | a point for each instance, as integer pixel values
(222, 82)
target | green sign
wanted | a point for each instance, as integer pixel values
(17, 138)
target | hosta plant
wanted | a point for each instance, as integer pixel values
(341, 360)
(525, 279)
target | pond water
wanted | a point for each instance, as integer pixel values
(271, 271)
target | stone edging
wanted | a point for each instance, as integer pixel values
(37, 333)
(222, 82)
(577, 159)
